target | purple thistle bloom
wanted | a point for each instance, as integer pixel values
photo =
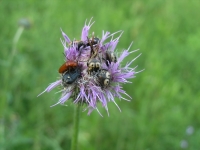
(97, 74)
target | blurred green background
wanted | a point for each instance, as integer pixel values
(164, 113)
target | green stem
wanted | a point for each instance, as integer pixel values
(15, 41)
(76, 127)
(6, 91)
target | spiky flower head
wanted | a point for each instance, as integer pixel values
(92, 72)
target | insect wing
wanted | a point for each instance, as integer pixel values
(62, 68)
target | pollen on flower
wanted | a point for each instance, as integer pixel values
(92, 72)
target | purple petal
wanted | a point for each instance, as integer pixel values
(86, 29)
(65, 37)
(104, 36)
(63, 98)
(124, 54)
(51, 86)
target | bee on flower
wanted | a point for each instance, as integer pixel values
(92, 72)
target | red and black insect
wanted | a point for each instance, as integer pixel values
(70, 72)
(69, 65)
(69, 77)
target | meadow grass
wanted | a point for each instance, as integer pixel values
(165, 95)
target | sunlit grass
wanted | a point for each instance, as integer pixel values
(165, 95)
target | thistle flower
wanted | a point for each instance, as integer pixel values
(92, 72)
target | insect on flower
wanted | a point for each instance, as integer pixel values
(110, 57)
(103, 78)
(93, 73)
(69, 65)
(80, 44)
(93, 41)
(69, 77)
(93, 63)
